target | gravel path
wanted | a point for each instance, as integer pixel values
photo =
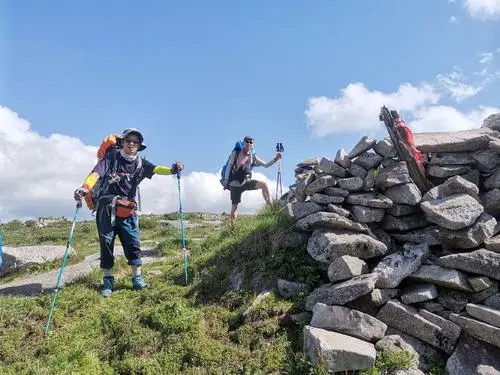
(46, 282)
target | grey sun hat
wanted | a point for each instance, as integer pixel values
(135, 131)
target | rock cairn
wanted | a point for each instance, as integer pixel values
(407, 270)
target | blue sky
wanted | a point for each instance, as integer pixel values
(195, 76)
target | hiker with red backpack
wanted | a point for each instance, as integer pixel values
(237, 173)
(110, 190)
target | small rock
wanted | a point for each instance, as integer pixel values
(364, 144)
(404, 194)
(346, 267)
(419, 293)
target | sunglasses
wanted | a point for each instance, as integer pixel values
(248, 141)
(136, 141)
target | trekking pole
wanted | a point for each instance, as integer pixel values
(63, 263)
(279, 148)
(184, 250)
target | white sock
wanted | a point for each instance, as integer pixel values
(107, 271)
(136, 271)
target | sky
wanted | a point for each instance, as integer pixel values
(196, 76)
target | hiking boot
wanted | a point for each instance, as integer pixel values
(138, 283)
(108, 282)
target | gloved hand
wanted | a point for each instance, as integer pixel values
(278, 156)
(177, 167)
(80, 193)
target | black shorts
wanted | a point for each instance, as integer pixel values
(236, 191)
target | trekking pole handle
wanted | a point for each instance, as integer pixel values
(279, 147)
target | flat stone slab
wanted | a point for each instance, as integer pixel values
(478, 329)
(348, 321)
(481, 262)
(22, 256)
(337, 351)
(340, 294)
(484, 313)
(446, 277)
(459, 141)
(406, 319)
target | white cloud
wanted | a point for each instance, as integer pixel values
(486, 57)
(453, 19)
(356, 108)
(39, 175)
(483, 9)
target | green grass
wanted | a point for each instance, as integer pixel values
(169, 328)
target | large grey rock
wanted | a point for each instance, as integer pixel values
(329, 220)
(340, 294)
(346, 267)
(472, 356)
(481, 262)
(330, 167)
(453, 185)
(447, 170)
(298, 210)
(365, 214)
(403, 223)
(479, 283)
(452, 159)
(369, 180)
(478, 329)
(396, 174)
(493, 301)
(484, 314)
(446, 277)
(384, 148)
(486, 160)
(338, 210)
(374, 200)
(338, 352)
(310, 162)
(457, 141)
(404, 194)
(368, 160)
(326, 245)
(16, 257)
(470, 237)
(336, 191)
(324, 199)
(357, 171)
(342, 159)
(350, 322)
(422, 353)
(491, 202)
(320, 184)
(453, 212)
(288, 288)
(449, 328)
(403, 209)
(453, 300)
(419, 293)
(393, 268)
(350, 183)
(429, 235)
(407, 319)
(364, 144)
(493, 181)
(492, 121)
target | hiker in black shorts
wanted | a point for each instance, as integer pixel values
(238, 176)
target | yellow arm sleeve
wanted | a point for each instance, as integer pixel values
(159, 169)
(90, 180)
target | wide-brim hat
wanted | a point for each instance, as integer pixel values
(135, 131)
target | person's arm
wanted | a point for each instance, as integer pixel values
(97, 172)
(258, 162)
(165, 171)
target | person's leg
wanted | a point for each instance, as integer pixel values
(128, 232)
(260, 185)
(107, 243)
(235, 200)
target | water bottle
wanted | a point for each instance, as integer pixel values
(1, 243)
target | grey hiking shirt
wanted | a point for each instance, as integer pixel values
(248, 159)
